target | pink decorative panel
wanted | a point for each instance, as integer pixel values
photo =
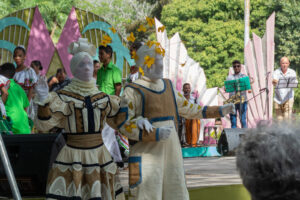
(70, 33)
(40, 45)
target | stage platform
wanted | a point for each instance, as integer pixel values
(203, 151)
(203, 172)
(208, 178)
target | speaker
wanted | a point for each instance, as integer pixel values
(230, 139)
(30, 157)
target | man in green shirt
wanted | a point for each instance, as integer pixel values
(16, 102)
(109, 76)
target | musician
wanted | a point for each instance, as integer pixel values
(284, 97)
(236, 64)
(190, 127)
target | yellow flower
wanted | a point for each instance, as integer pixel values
(185, 103)
(150, 43)
(131, 37)
(161, 29)
(199, 108)
(107, 38)
(183, 64)
(141, 29)
(103, 43)
(113, 29)
(129, 127)
(130, 106)
(141, 71)
(179, 94)
(134, 56)
(149, 61)
(191, 106)
(150, 21)
(160, 51)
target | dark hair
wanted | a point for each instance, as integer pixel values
(136, 45)
(8, 70)
(186, 84)
(20, 48)
(96, 61)
(107, 49)
(236, 62)
(38, 64)
(60, 70)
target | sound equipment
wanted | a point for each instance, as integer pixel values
(230, 139)
(30, 157)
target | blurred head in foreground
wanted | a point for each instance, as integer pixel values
(268, 160)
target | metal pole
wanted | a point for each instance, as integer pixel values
(247, 22)
(8, 170)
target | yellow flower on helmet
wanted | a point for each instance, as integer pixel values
(199, 108)
(113, 29)
(150, 43)
(141, 71)
(141, 28)
(134, 55)
(191, 106)
(150, 21)
(160, 51)
(149, 61)
(131, 37)
(161, 29)
(179, 94)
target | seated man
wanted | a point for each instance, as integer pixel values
(59, 81)
(268, 160)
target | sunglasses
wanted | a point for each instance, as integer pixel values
(236, 66)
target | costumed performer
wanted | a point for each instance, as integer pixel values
(155, 161)
(83, 168)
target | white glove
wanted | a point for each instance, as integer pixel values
(228, 109)
(164, 132)
(145, 124)
(41, 89)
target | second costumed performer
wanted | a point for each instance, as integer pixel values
(83, 168)
(155, 162)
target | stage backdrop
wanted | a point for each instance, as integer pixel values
(259, 54)
(27, 27)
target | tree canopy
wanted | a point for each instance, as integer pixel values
(213, 31)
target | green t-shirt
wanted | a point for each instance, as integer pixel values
(107, 78)
(15, 104)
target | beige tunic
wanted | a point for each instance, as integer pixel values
(83, 168)
(156, 167)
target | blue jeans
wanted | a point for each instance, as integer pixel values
(243, 114)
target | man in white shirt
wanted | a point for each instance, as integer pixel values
(243, 110)
(284, 97)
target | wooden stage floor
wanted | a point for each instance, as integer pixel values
(203, 172)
